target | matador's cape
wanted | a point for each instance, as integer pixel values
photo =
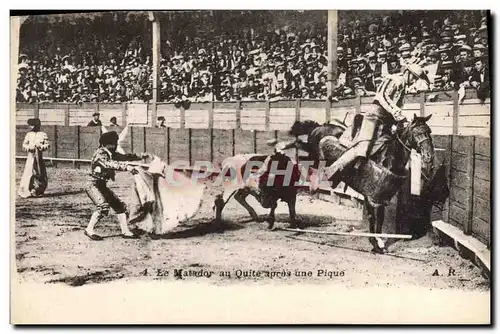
(163, 198)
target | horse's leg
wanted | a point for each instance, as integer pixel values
(379, 222)
(240, 197)
(372, 220)
(370, 211)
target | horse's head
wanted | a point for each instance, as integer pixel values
(417, 135)
(300, 128)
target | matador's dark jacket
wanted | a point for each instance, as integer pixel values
(105, 163)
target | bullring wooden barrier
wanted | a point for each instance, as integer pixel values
(470, 117)
(190, 145)
(468, 163)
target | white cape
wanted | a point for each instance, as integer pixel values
(164, 198)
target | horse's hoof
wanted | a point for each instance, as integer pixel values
(295, 224)
(378, 250)
(380, 243)
(270, 224)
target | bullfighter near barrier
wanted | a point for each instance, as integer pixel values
(314, 167)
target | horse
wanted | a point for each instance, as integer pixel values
(266, 185)
(315, 132)
(389, 157)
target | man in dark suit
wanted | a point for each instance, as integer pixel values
(372, 44)
(95, 121)
(464, 73)
(480, 78)
(480, 74)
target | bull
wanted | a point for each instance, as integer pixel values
(277, 179)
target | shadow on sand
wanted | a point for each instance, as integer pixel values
(202, 228)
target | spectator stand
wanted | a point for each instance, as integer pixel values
(232, 59)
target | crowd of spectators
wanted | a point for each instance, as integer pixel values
(83, 61)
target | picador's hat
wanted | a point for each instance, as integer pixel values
(107, 138)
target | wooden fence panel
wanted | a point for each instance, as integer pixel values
(22, 115)
(262, 137)
(317, 115)
(89, 141)
(200, 145)
(138, 136)
(82, 114)
(178, 145)
(137, 113)
(253, 115)
(108, 110)
(462, 179)
(281, 118)
(442, 148)
(53, 113)
(172, 115)
(244, 141)
(224, 118)
(222, 145)
(197, 118)
(67, 141)
(474, 119)
(156, 142)
(313, 110)
(481, 223)
(441, 121)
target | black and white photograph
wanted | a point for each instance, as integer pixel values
(299, 153)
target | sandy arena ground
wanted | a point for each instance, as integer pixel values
(51, 246)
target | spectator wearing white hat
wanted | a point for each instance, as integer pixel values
(464, 53)
(479, 50)
(460, 40)
(405, 54)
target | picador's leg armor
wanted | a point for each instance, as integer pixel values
(361, 148)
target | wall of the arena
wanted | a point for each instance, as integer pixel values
(170, 144)
(468, 163)
(470, 117)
